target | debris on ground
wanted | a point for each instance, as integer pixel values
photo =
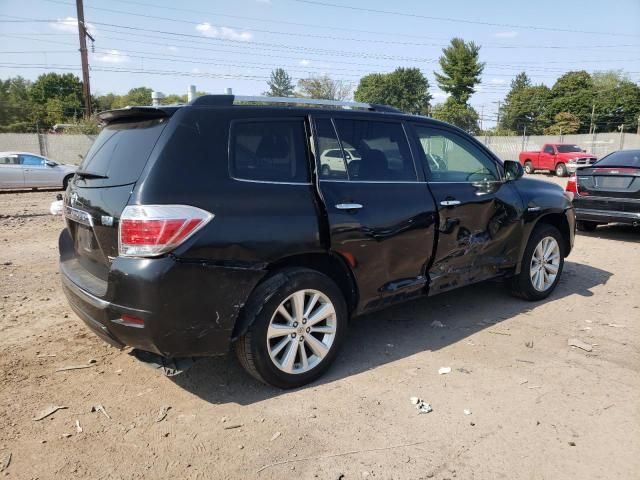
(162, 413)
(78, 426)
(529, 344)
(100, 408)
(444, 370)
(463, 370)
(421, 405)
(437, 324)
(275, 435)
(575, 342)
(74, 367)
(232, 426)
(615, 325)
(46, 355)
(5, 461)
(49, 411)
(66, 435)
(467, 411)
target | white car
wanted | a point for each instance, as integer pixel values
(28, 170)
(331, 160)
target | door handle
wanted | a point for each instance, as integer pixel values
(348, 206)
(449, 203)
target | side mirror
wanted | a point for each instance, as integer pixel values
(51, 164)
(513, 170)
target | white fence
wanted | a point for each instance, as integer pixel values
(72, 148)
(600, 144)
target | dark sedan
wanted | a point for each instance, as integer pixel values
(608, 191)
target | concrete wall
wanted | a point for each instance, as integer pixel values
(600, 144)
(72, 148)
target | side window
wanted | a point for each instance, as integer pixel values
(32, 161)
(451, 158)
(548, 149)
(269, 150)
(332, 163)
(10, 160)
(376, 151)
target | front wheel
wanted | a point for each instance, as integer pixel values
(299, 318)
(561, 170)
(541, 266)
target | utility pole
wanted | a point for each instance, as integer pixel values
(481, 115)
(82, 34)
(593, 111)
(498, 120)
(638, 124)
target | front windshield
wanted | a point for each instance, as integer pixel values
(568, 148)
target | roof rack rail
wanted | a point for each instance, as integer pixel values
(229, 100)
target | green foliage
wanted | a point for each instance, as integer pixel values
(405, 88)
(280, 84)
(461, 70)
(525, 107)
(139, 96)
(173, 99)
(572, 92)
(54, 97)
(565, 123)
(84, 126)
(498, 132)
(616, 101)
(463, 116)
(14, 100)
(324, 87)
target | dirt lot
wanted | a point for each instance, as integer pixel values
(543, 411)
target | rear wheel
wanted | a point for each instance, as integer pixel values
(299, 318)
(541, 266)
(584, 226)
(528, 167)
(561, 170)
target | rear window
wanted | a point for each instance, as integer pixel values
(629, 158)
(121, 151)
(271, 150)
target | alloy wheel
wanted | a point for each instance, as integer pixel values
(545, 263)
(301, 331)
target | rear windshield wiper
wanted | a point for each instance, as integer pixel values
(83, 174)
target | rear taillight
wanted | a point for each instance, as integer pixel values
(572, 188)
(152, 230)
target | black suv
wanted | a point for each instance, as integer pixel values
(268, 225)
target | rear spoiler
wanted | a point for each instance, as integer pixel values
(134, 113)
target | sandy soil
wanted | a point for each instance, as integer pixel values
(540, 409)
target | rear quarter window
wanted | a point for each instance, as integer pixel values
(121, 151)
(269, 150)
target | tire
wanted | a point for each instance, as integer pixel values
(561, 170)
(522, 284)
(585, 226)
(65, 181)
(528, 167)
(257, 353)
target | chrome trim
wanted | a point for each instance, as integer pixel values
(417, 182)
(607, 213)
(79, 216)
(92, 299)
(119, 321)
(450, 203)
(304, 101)
(348, 206)
(269, 181)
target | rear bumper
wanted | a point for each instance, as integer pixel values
(607, 216)
(189, 309)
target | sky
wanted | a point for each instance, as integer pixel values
(168, 45)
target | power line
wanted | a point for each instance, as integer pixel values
(460, 20)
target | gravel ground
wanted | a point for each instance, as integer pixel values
(539, 409)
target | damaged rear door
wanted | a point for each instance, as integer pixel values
(479, 222)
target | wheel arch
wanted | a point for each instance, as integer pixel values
(556, 219)
(332, 265)
(66, 179)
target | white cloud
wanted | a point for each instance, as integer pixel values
(196, 70)
(263, 1)
(70, 25)
(497, 81)
(171, 48)
(507, 34)
(439, 95)
(226, 33)
(304, 63)
(113, 56)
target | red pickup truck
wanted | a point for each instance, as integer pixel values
(561, 158)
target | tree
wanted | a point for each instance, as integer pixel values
(573, 93)
(135, 96)
(616, 101)
(461, 70)
(525, 108)
(324, 87)
(14, 100)
(463, 116)
(55, 97)
(405, 88)
(565, 123)
(280, 84)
